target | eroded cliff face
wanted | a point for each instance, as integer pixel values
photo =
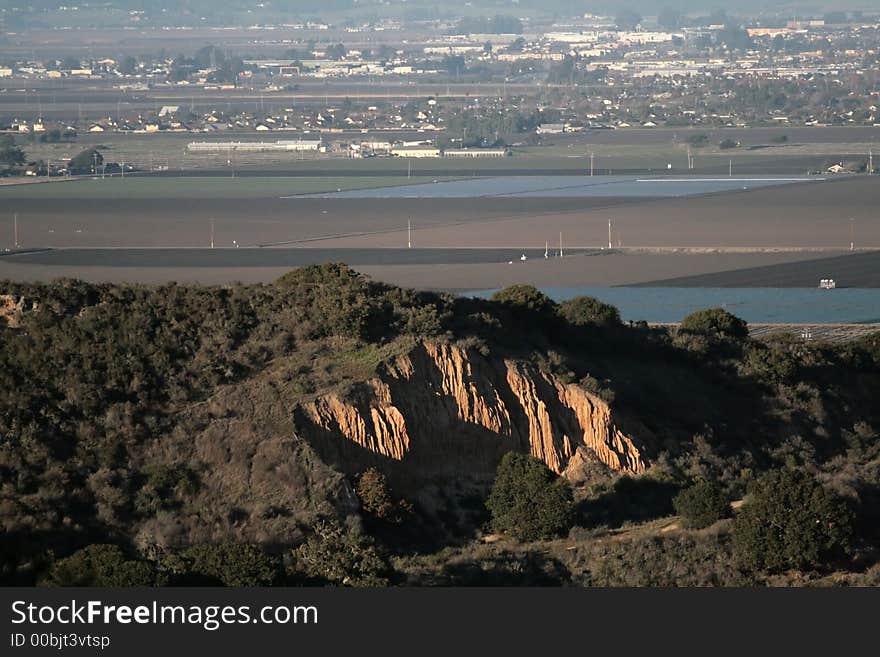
(440, 409)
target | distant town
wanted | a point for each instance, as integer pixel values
(658, 72)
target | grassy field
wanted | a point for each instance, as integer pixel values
(197, 188)
(614, 150)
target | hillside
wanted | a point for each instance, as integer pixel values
(327, 429)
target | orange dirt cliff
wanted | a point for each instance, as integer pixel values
(440, 409)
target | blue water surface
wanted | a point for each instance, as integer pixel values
(755, 305)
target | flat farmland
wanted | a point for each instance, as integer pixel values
(177, 212)
(191, 188)
(812, 215)
(460, 243)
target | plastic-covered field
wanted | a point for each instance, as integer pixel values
(570, 186)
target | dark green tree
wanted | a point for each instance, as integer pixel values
(701, 504)
(627, 18)
(337, 51)
(10, 154)
(698, 140)
(128, 65)
(226, 564)
(454, 64)
(86, 161)
(386, 53)
(526, 297)
(70, 63)
(528, 501)
(101, 565)
(790, 521)
(715, 322)
(584, 311)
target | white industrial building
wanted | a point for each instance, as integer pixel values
(475, 152)
(416, 151)
(256, 146)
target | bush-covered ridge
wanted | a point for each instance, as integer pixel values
(105, 392)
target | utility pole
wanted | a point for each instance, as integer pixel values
(609, 234)
(870, 162)
(560, 245)
(409, 233)
(212, 233)
(852, 234)
(15, 230)
(730, 169)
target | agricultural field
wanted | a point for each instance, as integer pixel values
(141, 188)
(458, 243)
(614, 151)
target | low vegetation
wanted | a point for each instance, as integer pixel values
(146, 439)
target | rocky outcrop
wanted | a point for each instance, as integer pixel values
(441, 409)
(12, 307)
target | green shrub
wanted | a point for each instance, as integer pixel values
(790, 521)
(336, 300)
(701, 504)
(101, 565)
(372, 491)
(584, 311)
(528, 501)
(334, 555)
(377, 500)
(226, 564)
(524, 296)
(10, 154)
(715, 322)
